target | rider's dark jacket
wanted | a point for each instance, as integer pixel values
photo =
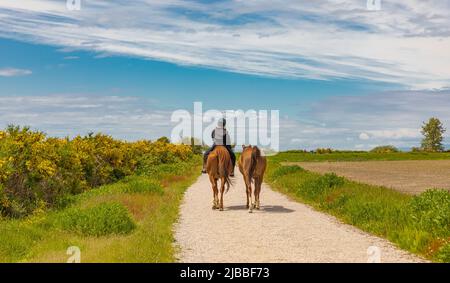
(220, 136)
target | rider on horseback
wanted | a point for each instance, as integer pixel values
(220, 136)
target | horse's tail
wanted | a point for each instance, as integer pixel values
(256, 154)
(224, 163)
(228, 183)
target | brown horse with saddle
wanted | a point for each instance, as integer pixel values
(219, 166)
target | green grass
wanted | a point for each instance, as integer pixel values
(293, 156)
(100, 220)
(128, 221)
(419, 224)
(142, 185)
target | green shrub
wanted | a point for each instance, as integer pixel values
(320, 186)
(65, 201)
(331, 180)
(431, 211)
(104, 219)
(385, 149)
(286, 170)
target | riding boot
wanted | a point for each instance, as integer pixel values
(204, 164)
(232, 171)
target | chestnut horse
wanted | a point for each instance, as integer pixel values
(219, 166)
(252, 166)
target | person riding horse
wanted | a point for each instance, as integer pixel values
(220, 136)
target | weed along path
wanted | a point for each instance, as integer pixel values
(282, 231)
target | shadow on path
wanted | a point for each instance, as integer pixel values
(264, 208)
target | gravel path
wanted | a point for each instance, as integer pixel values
(282, 231)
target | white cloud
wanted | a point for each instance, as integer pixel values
(13, 72)
(406, 43)
(344, 122)
(379, 119)
(127, 118)
(364, 136)
(395, 134)
(297, 141)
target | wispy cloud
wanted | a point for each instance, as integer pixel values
(364, 121)
(13, 72)
(346, 122)
(405, 43)
(124, 117)
(71, 57)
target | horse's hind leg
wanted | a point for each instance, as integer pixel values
(247, 193)
(222, 190)
(258, 182)
(250, 204)
(215, 193)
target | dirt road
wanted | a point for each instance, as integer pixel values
(282, 231)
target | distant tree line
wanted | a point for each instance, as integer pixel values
(432, 141)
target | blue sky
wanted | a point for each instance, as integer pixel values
(341, 76)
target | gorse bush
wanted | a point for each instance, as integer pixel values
(36, 171)
(104, 219)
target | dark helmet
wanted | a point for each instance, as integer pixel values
(222, 122)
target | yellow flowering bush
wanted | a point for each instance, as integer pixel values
(37, 170)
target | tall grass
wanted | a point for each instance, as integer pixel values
(128, 221)
(420, 224)
(100, 220)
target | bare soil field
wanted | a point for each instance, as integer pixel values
(410, 176)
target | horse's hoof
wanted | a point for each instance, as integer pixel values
(221, 209)
(250, 211)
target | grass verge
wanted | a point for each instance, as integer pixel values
(292, 156)
(419, 224)
(129, 221)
